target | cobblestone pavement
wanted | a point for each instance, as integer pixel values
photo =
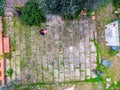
(66, 53)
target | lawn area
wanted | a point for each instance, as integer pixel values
(105, 16)
(78, 86)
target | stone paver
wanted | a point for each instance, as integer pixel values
(64, 54)
(77, 74)
(82, 75)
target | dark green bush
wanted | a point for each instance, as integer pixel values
(2, 4)
(116, 3)
(32, 14)
(64, 8)
(71, 8)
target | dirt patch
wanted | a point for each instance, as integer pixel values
(103, 16)
(115, 69)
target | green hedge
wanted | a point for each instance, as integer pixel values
(32, 14)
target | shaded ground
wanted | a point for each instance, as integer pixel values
(66, 53)
(79, 86)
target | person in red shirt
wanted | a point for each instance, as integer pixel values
(43, 32)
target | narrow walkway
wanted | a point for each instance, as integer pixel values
(2, 81)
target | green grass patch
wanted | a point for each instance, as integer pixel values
(93, 80)
(46, 85)
(62, 63)
(98, 55)
(21, 64)
(4, 26)
(115, 86)
(10, 72)
(13, 43)
(112, 52)
(118, 85)
(67, 25)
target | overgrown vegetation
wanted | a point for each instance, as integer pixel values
(33, 11)
(117, 85)
(64, 8)
(32, 14)
(70, 9)
(116, 3)
(93, 80)
(112, 52)
(102, 19)
(48, 85)
(2, 4)
(21, 64)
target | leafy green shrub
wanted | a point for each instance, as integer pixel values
(116, 3)
(32, 14)
(10, 72)
(2, 4)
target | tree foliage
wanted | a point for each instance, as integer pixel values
(116, 3)
(32, 14)
(2, 4)
(65, 8)
(71, 8)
